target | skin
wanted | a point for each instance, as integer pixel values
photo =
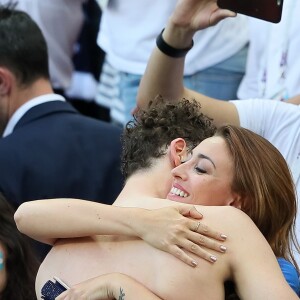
(116, 221)
(211, 160)
(218, 166)
(3, 118)
(295, 100)
(206, 280)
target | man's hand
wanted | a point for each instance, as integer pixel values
(108, 287)
(199, 14)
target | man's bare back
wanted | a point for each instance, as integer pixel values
(249, 261)
(76, 260)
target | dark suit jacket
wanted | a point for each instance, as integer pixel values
(56, 152)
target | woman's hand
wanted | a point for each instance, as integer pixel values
(108, 287)
(176, 229)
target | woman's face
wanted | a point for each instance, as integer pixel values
(206, 178)
(2, 269)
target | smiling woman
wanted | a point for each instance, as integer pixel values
(212, 160)
(240, 168)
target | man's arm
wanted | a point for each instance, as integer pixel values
(109, 286)
(164, 74)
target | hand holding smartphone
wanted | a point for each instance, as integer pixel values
(52, 289)
(268, 10)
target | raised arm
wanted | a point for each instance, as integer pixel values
(164, 74)
(168, 229)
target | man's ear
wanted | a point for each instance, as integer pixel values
(6, 80)
(178, 151)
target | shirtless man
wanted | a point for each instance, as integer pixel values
(75, 260)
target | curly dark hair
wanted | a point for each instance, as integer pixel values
(21, 263)
(151, 131)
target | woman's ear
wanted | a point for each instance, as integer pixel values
(178, 151)
(236, 201)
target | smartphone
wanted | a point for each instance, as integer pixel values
(268, 10)
(52, 289)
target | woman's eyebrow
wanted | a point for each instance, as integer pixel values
(206, 157)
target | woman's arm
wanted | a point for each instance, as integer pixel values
(110, 286)
(164, 74)
(169, 229)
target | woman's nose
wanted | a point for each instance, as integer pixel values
(180, 171)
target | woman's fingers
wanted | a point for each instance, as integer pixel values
(197, 244)
(190, 211)
(203, 241)
(199, 226)
(203, 229)
(187, 258)
(219, 15)
(180, 232)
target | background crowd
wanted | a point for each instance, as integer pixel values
(62, 128)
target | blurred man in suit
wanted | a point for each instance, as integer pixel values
(48, 149)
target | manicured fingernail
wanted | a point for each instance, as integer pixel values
(223, 236)
(223, 248)
(194, 263)
(1, 260)
(213, 258)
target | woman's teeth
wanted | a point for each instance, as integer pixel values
(178, 192)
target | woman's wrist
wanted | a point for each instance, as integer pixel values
(139, 217)
(134, 221)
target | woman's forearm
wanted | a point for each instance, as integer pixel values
(170, 229)
(48, 220)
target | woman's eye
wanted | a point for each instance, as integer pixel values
(199, 170)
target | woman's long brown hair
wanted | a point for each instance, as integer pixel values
(263, 180)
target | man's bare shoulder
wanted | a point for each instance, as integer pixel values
(229, 211)
(223, 218)
(227, 217)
